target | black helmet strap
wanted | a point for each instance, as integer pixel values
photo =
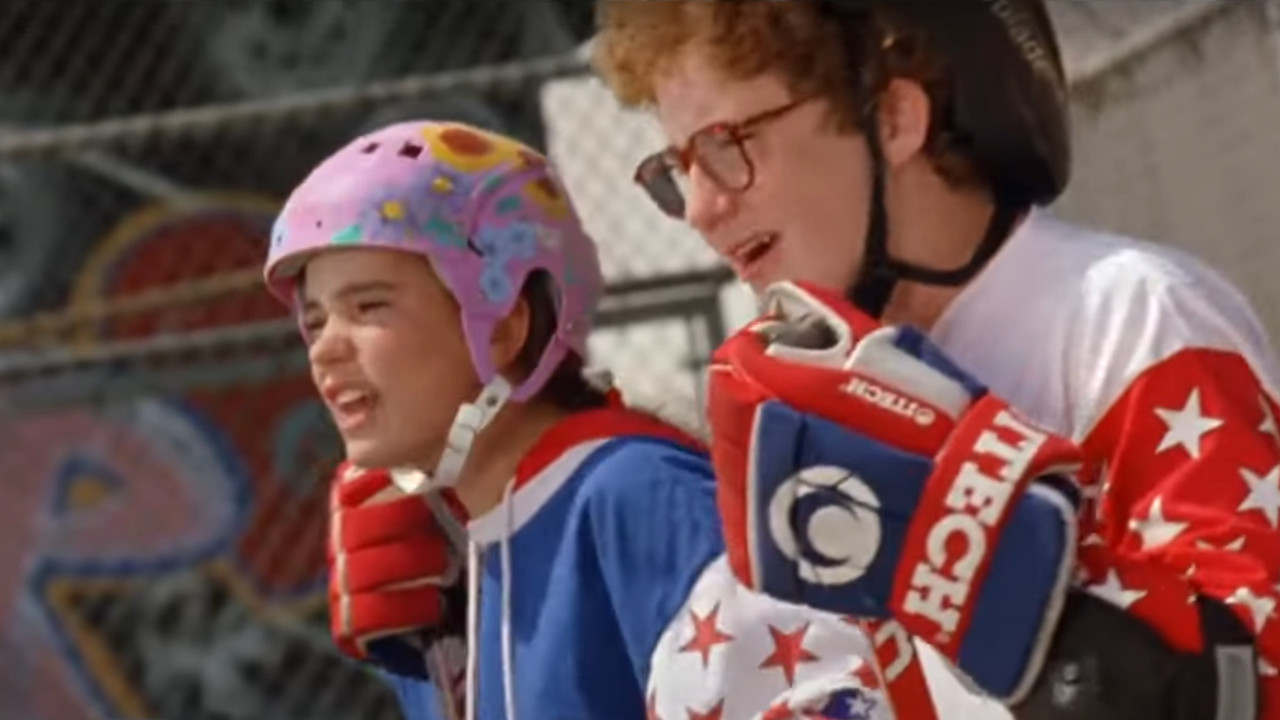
(880, 272)
(876, 279)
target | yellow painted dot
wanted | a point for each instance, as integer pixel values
(393, 210)
(442, 184)
(88, 492)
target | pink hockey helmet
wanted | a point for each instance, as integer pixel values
(484, 209)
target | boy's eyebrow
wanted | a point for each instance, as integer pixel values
(354, 288)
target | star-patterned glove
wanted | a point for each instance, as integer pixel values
(860, 472)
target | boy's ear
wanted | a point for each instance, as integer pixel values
(905, 110)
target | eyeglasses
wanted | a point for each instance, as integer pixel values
(719, 150)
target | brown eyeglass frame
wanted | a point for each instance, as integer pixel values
(737, 132)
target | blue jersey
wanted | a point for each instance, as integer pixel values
(607, 534)
(620, 602)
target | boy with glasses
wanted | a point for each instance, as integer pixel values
(878, 171)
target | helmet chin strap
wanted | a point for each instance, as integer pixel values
(469, 421)
(880, 272)
(876, 278)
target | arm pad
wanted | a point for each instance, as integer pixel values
(1104, 664)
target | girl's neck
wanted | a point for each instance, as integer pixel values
(498, 450)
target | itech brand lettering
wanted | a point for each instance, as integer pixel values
(957, 543)
(887, 399)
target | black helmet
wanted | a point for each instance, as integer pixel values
(1007, 114)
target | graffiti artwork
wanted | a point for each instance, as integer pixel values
(161, 552)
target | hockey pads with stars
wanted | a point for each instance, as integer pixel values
(860, 472)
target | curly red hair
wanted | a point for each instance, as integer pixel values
(638, 41)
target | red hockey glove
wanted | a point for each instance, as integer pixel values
(861, 472)
(396, 587)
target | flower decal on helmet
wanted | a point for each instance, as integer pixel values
(390, 218)
(505, 242)
(449, 189)
(495, 283)
(498, 245)
(550, 239)
(443, 231)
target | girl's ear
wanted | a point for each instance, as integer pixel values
(509, 337)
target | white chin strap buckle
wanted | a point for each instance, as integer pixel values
(467, 423)
(410, 480)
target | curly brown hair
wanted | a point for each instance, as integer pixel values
(639, 40)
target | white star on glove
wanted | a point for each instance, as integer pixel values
(860, 707)
(1264, 493)
(1092, 493)
(1186, 426)
(1268, 425)
(1093, 538)
(1155, 529)
(1260, 607)
(1234, 546)
(1116, 593)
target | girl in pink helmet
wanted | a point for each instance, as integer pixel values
(445, 286)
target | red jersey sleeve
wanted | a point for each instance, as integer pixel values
(1187, 500)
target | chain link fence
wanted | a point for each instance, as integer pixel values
(162, 455)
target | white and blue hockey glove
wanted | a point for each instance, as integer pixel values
(861, 472)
